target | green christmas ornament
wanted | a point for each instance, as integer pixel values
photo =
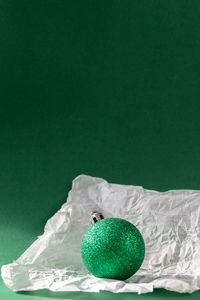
(112, 248)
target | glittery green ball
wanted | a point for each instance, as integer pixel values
(113, 248)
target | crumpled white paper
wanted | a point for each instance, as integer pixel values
(169, 222)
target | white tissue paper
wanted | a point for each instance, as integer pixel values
(168, 221)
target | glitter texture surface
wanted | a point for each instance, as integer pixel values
(113, 248)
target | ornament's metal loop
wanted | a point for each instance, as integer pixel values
(95, 216)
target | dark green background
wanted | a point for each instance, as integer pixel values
(105, 88)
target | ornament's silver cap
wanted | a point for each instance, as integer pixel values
(96, 216)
